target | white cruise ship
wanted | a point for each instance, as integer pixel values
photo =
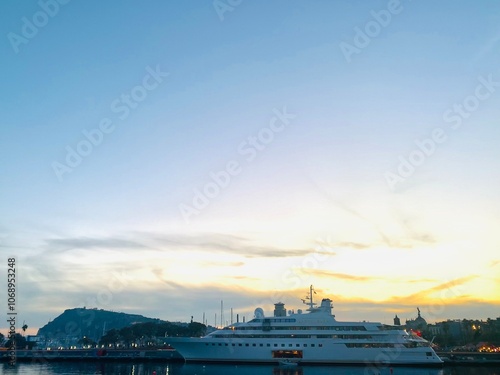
(313, 337)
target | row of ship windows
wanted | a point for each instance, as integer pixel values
(296, 328)
(349, 337)
(370, 345)
(417, 344)
(356, 337)
(236, 336)
(378, 345)
(349, 345)
(272, 320)
(268, 345)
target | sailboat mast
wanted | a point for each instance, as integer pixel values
(311, 294)
(221, 313)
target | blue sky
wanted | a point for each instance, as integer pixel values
(327, 184)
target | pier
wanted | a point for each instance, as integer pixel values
(171, 355)
(469, 358)
(166, 355)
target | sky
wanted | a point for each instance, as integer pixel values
(158, 158)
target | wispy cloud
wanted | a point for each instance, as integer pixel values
(415, 281)
(494, 263)
(343, 276)
(354, 245)
(487, 47)
(66, 244)
(351, 277)
(450, 287)
(409, 239)
(222, 264)
(226, 243)
(332, 248)
(214, 242)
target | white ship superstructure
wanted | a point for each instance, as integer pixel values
(313, 337)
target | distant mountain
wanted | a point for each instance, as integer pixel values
(92, 323)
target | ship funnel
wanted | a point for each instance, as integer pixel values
(279, 309)
(326, 305)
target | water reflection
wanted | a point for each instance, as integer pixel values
(157, 368)
(191, 369)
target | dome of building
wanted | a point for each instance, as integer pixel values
(417, 324)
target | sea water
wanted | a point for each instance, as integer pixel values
(117, 368)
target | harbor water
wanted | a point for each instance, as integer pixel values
(127, 368)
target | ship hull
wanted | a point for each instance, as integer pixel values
(317, 352)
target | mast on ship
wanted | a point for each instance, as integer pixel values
(309, 299)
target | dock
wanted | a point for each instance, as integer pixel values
(139, 355)
(171, 355)
(469, 358)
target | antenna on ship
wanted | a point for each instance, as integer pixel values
(309, 299)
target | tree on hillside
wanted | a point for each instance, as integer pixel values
(196, 329)
(112, 337)
(127, 335)
(21, 342)
(146, 334)
(86, 342)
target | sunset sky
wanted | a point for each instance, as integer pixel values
(158, 158)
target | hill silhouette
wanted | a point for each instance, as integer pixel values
(92, 323)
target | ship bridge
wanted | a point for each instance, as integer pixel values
(325, 307)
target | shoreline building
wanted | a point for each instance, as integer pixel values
(418, 324)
